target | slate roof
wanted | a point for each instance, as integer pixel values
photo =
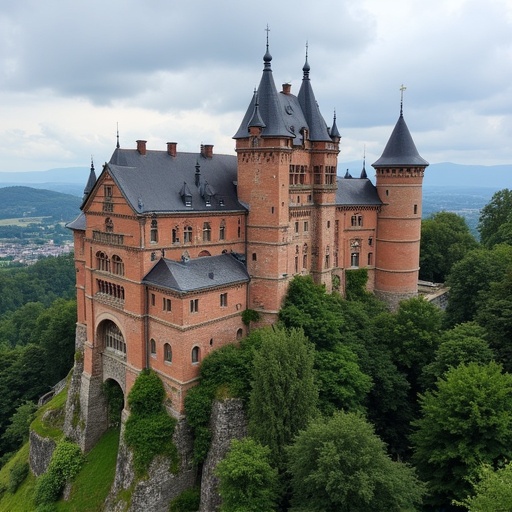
(197, 274)
(283, 115)
(78, 224)
(400, 149)
(152, 182)
(356, 192)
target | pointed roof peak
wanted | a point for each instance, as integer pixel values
(90, 182)
(334, 132)
(117, 145)
(306, 68)
(267, 58)
(363, 171)
(402, 89)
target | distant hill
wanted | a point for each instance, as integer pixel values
(30, 202)
(447, 174)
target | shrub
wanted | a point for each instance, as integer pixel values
(17, 475)
(66, 462)
(187, 501)
(149, 428)
(147, 394)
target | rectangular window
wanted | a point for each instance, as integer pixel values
(194, 305)
(296, 227)
(152, 299)
(415, 209)
(167, 304)
(254, 257)
(223, 300)
(354, 259)
(306, 226)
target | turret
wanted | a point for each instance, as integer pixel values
(400, 172)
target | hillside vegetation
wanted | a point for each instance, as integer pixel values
(16, 202)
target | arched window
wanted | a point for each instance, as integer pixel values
(239, 334)
(353, 220)
(175, 236)
(187, 234)
(113, 338)
(167, 353)
(195, 355)
(154, 231)
(207, 232)
(102, 261)
(117, 265)
(152, 347)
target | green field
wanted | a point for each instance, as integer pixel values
(23, 221)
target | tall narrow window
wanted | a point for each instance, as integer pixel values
(153, 299)
(167, 353)
(195, 355)
(415, 209)
(370, 258)
(175, 236)
(207, 232)
(152, 345)
(194, 305)
(354, 259)
(154, 231)
(222, 230)
(223, 300)
(166, 304)
(187, 234)
(102, 261)
(117, 265)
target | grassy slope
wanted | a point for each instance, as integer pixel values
(90, 487)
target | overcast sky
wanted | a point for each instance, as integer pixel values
(185, 71)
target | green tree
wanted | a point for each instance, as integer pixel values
(341, 383)
(466, 421)
(492, 492)
(493, 216)
(17, 431)
(464, 343)
(308, 307)
(340, 465)
(471, 276)
(445, 239)
(495, 314)
(284, 395)
(247, 481)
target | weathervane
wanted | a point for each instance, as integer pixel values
(402, 89)
(267, 30)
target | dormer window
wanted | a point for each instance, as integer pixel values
(186, 195)
(154, 231)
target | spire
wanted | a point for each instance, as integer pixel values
(90, 182)
(347, 175)
(402, 89)
(268, 108)
(334, 133)
(364, 176)
(256, 120)
(317, 127)
(117, 145)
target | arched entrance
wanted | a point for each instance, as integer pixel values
(115, 402)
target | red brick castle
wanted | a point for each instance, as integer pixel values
(171, 247)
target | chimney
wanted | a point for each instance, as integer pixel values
(207, 150)
(171, 148)
(287, 88)
(141, 147)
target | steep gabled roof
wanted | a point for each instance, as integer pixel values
(400, 149)
(356, 192)
(78, 224)
(152, 182)
(197, 274)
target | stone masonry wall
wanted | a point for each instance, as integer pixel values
(227, 422)
(156, 492)
(41, 451)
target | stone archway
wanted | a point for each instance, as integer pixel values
(114, 396)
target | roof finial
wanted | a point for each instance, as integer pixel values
(402, 89)
(363, 170)
(267, 58)
(117, 145)
(306, 67)
(92, 163)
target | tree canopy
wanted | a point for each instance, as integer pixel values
(445, 239)
(340, 465)
(495, 224)
(465, 422)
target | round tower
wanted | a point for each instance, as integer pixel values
(399, 180)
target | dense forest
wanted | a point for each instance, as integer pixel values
(350, 406)
(37, 329)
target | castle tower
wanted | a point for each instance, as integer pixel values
(286, 174)
(400, 172)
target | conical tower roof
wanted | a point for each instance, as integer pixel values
(317, 127)
(400, 150)
(90, 182)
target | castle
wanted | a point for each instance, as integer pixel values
(172, 247)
